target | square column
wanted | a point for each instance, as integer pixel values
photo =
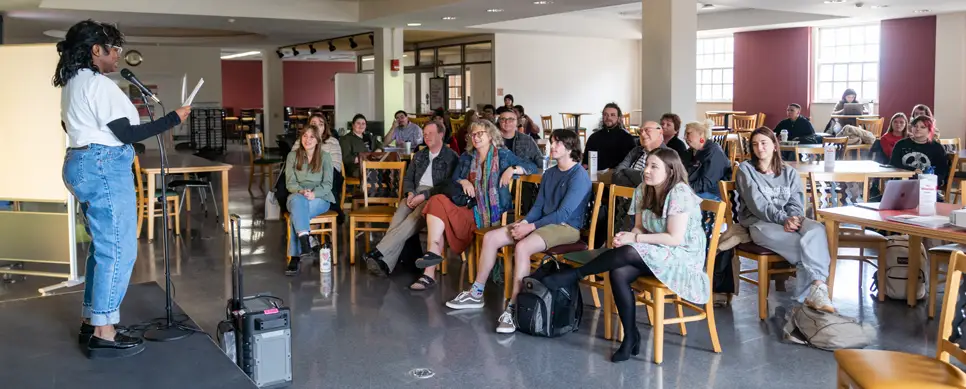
(273, 96)
(668, 59)
(387, 84)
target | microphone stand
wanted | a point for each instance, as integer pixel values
(168, 330)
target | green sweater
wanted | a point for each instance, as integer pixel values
(352, 145)
(304, 178)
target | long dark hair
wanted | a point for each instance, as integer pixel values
(620, 115)
(326, 134)
(76, 49)
(776, 157)
(849, 92)
(676, 173)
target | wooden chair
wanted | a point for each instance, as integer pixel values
(170, 196)
(420, 121)
(721, 138)
(744, 122)
(717, 118)
(837, 190)
(953, 178)
(259, 163)
(546, 122)
(569, 121)
(873, 125)
(530, 183)
(769, 262)
(381, 193)
(627, 120)
(656, 294)
(818, 154)
(741, 147)
(893, 369)
(457, 124)
(761, 119)
(618, 219)
(327, 225)
(937, 255)
(840, 143)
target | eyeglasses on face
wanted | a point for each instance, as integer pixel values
(478, 134)
(118, 48)
(507, 120)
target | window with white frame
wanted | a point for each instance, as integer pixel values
(715, 74)
(847, 58)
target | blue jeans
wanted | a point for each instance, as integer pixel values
(301, 210)
(101, 179)
(709, 196)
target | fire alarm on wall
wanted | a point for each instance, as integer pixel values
(394, 65)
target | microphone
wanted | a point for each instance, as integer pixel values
(130, 77)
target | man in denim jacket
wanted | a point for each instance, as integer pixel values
(427, 174)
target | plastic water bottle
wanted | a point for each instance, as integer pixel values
(829, 157)
(784, 136)
(325, 259)
(325, 284)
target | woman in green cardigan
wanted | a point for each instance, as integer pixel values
(355, 142)
(308, 177)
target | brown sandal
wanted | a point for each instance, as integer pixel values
(427, 283)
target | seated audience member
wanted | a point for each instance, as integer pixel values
(709, 164)
(460, 136)
(404, 131)
(521, 145)
(431, 168)
(526, 124)
(330, 144)
(898, 130)
(848, 97)
(923, 110)
(797, 125)
(920, 150)
(671, 125)
(774, 213)
(483, 173)
(441, 118)
(628, 172)
(610, 140)
(357, 141)
(667, 242)
(489, 113)
(308, 178)
(508, 101)
(555, 219)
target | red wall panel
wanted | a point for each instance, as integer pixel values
(771, 70)
(241, 84)
(306, 83)
(907, 64)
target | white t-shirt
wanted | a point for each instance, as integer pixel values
(427, 178)
(87, 103)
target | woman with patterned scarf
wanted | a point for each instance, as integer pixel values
(484, 173)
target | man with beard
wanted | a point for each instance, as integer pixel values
(610, 140)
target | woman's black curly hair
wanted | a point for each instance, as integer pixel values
(76, 48)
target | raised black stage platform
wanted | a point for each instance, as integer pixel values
(38, 349)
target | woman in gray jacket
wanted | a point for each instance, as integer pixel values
(774, 213)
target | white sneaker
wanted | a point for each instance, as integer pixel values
(465, 300)
(506, 324)
(818, 298)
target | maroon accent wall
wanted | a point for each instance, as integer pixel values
(771, 70)
(907, 64)
(306, 83)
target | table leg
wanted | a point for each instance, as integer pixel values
(224, 199)
(912, 281)
(577, 123)
(152, 199)
(726, 121)
(832, 232)
(608, 308)
(187, 195)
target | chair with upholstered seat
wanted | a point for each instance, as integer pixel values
(769, 263)
(259, 163)
(893, 369)
(381, 193)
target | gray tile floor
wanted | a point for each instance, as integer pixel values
(370, 332)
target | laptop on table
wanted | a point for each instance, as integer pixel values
(898, 195)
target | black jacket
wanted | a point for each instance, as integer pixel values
(611, 145)
(796, 129)
(678, 145)
(709, 166)
(443, 167)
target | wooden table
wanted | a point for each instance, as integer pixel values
(179, 163)
(868, 218)
(577, 116)
(727, 115)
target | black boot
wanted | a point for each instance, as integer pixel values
(294, 265)
(376, 265)
(630, 346)
(305, 245)
(121, 346)
(561, 279)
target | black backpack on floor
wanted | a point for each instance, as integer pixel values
(541, 311)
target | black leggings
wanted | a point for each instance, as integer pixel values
(625, 266)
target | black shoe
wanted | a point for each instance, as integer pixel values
(122, 346)
(428, 260)
(294, 265)
(376, 265)
(630, 346)
(305, 245)
(87, 330)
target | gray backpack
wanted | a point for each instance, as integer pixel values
(823, 330)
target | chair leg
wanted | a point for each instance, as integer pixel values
(141, 210)
(933, 279)
(684, 329)
(881, 272)
(352, 241)
(594, 292)
(288, 238)
(843, 380)
(712, 327)
(507, 274)
(763, 285)
(251, 176)
(214, 201)
(335, 243)
(658, 295)
(177, 220)
(365, 239)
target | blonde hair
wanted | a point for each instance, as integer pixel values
(495, 138)
(703, 128)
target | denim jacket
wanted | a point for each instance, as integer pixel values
(443, 167)
(507, 159)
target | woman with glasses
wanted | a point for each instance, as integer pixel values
(101, 124)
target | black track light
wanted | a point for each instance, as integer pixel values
(280, 54)
(312, 49)
(331, 46)
(352, 43)
(295, 52)
(372, 39)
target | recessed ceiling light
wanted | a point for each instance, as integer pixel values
(449, 17)
(921, 11)
(880, 6)
(247, 54)
(494, 10)
(414, 24)
(834, 1)
(542, 2)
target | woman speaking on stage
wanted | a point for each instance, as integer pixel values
(101, 124)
